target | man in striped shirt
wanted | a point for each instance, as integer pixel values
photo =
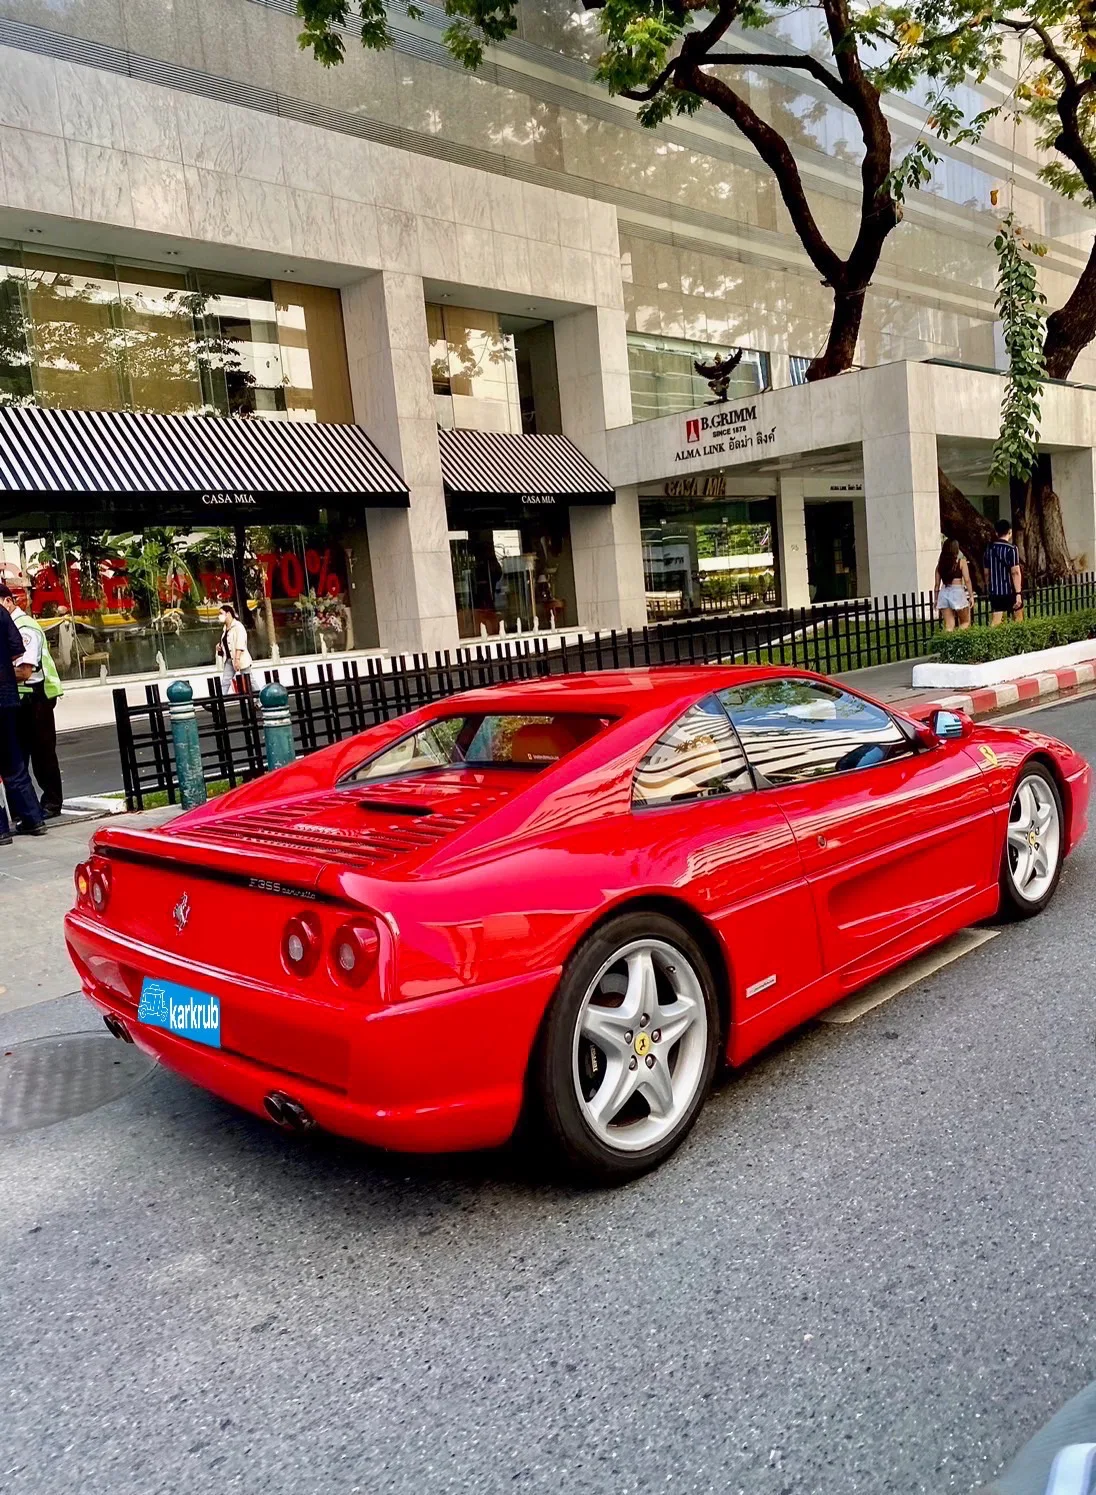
(1002, 563)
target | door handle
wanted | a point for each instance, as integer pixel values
(822, 841)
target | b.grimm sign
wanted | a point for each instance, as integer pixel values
(723, 432)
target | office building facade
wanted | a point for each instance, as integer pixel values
(504, 284)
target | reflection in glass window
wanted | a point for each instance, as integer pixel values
(801, 729)
(698, 758)
(510, 577)
(705, 554)
(472, 358)
(665, 381)
(112, 335)
(143, 600)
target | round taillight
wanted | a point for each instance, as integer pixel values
(98, 875)
(301, 944)
(354, 952)
(82, 878)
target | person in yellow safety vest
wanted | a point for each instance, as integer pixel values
(39, 690)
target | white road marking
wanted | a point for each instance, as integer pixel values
(878, 992)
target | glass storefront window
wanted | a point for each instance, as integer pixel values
(116, 335)
(665, 381)
(708, 555)
(473, 358)
(145, 601)
(511, 575)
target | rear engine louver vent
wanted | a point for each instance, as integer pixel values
(299, 830)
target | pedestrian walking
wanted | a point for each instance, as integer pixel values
(22, 802)
(954, 593)
(1003, 576)
(232, 651)
(40, 689)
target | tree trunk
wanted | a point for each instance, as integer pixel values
(239, 577)
(271, 630)
(961, 521)
(1072, 327)
(839, 354)
(1025, 533)
(1045, 515)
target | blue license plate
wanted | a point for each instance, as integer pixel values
(181, 1011)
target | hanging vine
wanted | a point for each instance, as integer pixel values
(1022, 309)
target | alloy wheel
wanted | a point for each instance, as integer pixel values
(1034, 838)
(640, 1044)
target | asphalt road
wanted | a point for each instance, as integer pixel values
(868, 1271)
(89, 761)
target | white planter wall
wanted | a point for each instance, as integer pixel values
(997, 671)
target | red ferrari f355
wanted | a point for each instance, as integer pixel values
(565, 900)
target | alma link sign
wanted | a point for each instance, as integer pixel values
(722, 433)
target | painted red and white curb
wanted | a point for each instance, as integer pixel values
(988, 698)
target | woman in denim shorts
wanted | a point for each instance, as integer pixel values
(954, 593)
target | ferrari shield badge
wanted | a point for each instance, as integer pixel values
(989, 757)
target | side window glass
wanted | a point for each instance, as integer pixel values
(698, 758)
(793, 730)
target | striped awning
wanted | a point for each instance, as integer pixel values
(211, 463)
(495, 466)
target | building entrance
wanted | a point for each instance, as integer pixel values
(831, 550)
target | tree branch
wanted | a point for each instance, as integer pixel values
(642, 95)
(774, 151)
(775, 59)
(1050, 51)
(1070, 140)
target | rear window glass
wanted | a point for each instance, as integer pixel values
(698, 758)
(505, 740)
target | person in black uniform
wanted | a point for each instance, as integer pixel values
(22, 800)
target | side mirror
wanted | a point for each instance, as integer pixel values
(948, 726)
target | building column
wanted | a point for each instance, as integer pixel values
(791, 539)
(595, 394)
(388, 349)
(780, 371)
(901, 488)
(860, 536)
(1074, 475)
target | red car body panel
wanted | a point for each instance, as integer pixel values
(802, 893)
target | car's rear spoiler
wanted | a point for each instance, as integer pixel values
(236, 863)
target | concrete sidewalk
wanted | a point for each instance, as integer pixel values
(36, 892)
(889, 682)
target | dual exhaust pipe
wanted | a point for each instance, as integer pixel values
(282, 1109)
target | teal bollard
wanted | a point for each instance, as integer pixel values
(188, 753)
(277, 726)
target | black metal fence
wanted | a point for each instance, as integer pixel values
(351, 695)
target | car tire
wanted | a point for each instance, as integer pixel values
(1035, 841)
(628, 1049)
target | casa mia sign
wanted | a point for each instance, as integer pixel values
(723, 432)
